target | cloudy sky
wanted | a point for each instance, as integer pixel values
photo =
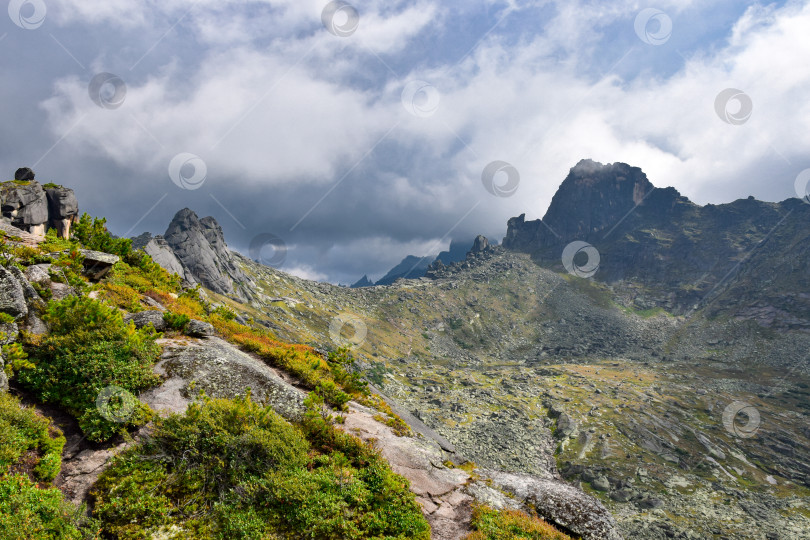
(357, 132)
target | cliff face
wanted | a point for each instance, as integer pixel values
(26, 205)
(658, 249)
(195, 249)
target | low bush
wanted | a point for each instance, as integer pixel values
(24, 431)
(90, 348)
(30, 513)
(490, 524)
(235, 469)
(176, 321)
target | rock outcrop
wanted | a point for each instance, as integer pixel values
(25, 204)
(658, 249)
(195, 249)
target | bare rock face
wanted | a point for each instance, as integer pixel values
(25, 205)
(12, 295)
(163, 254)
(199, 246)
(63, 210)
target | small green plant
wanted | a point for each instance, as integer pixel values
(26, 511)
(224, 312)
(176, 321)
(16, 358)
(5, 318)
(235, 469)
(89, 349)
(25, 431)
(490, 524)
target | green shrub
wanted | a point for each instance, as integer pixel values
(89, 349)
(16, 358)
(235, 469)
(175, 321)
(490, 524)
(93, 234)
(5, 318)
(30, 513)
(24, 430)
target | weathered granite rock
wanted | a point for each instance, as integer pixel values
(162, 253)
(24, 174)
(480, 244)
(12, 295)
(3, 377)
(8, 333)
(63, 210)
(144, 318)
(25, 205)
(196, 328)
(560, 503)
(97, 264)
(200, 247)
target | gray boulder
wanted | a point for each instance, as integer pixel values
(12, 295)
(25, 205)
(144, 318)
(3, 378)
(560, 503)
(8, 333)
(97, 264)
(196, 328)
(63, 209)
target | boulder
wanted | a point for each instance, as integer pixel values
(24, 174)
(600, 483)
(38, 273)
(480, 244)
(97, 263)
(12, 295)
(144, 318)
(560, 503)
(63, 210)
(8, 333)
(3, 378)
(25, 205)
(162, 253)
(196, 328)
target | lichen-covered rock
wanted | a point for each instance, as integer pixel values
(145, 318)
(560, 503)
(8, 333)
(196, 328)
(12, 295)
(97, 264)
(3, 377)
(221, 371)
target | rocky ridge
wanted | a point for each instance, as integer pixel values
(29, 206)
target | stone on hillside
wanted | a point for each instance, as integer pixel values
(63, 210)
(480, 244)
(600, 483)
(144, 318)
(200, 247)
(566, 427)
(38, 273)
(97, 263)
(24, 174)
(28, 291)
(3, 378)
(35, 325)
(25, 205)
(162, 253)
(560, 503)
(196, 328)
(8, 333)
(12, 295)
